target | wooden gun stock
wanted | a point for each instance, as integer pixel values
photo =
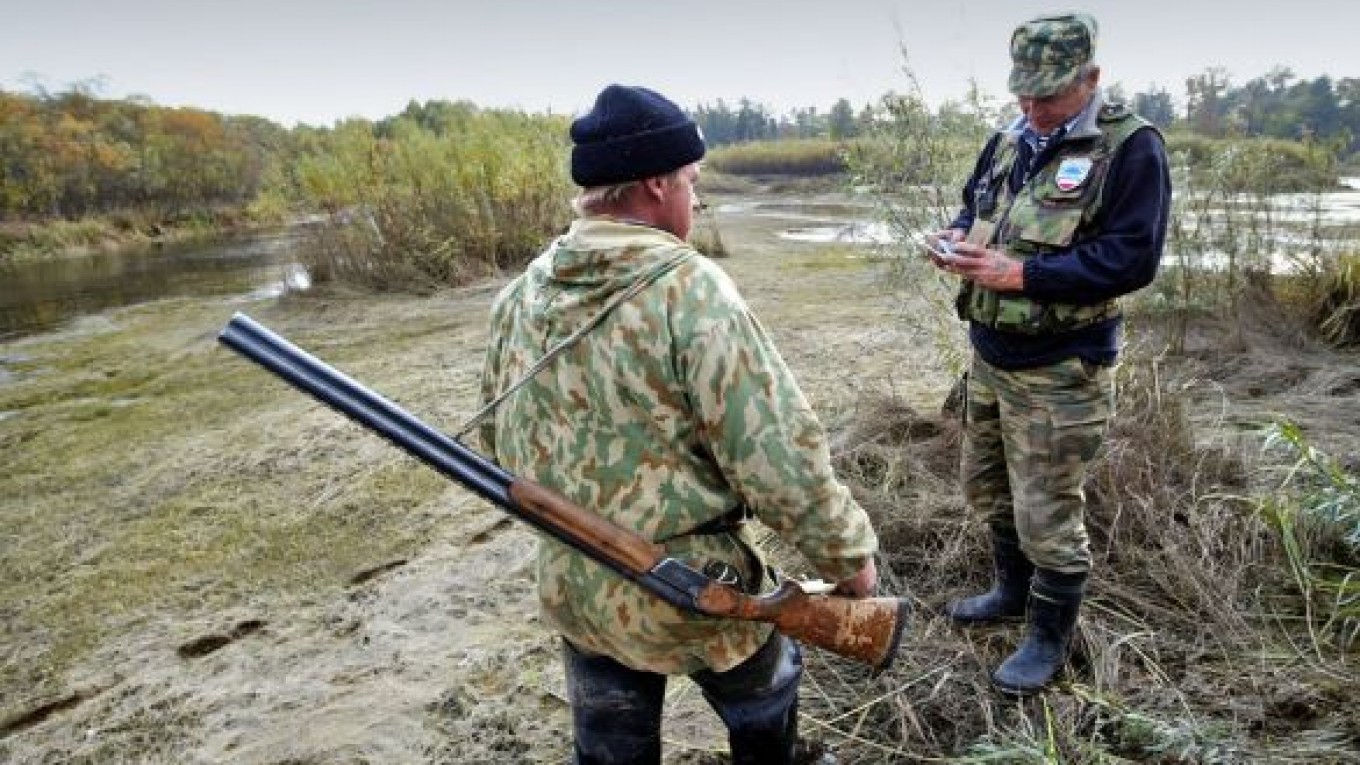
(866, 630)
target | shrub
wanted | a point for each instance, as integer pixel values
(1269, 164)
(413, 206)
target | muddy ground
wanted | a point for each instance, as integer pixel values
(199, 565)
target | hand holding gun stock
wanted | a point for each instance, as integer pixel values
(866, 630)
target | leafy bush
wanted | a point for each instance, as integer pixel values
(1269, 164)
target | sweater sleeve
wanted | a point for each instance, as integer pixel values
(1124, 255)
(770, 445)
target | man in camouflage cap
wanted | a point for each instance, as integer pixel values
(1065, 211)
(675, 417)
(1050, 53)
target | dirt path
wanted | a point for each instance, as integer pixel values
(202, 567)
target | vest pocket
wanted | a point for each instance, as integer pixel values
(1049, 226)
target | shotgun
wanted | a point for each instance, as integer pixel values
(866, 630)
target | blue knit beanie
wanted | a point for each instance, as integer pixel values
(630, 134)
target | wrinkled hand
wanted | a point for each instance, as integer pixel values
(861, 585)
(992, 269)
(951, 235)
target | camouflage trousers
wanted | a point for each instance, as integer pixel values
(1029, 436)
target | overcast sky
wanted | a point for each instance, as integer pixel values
(318, 61)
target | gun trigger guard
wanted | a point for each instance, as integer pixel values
(816, 586)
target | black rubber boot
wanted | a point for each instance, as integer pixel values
(1055, 599)
(1006, 599)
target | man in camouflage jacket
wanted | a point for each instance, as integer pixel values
(675, 417)
(1066, 210)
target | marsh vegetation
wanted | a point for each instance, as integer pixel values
(202, 566)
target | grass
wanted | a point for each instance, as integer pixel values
(1316, 512)
(706, 235)
(158, 483)
(28, 241)
(1220, 624)
(1337, 301)
(1279, 164)
(123, 230)
(210, 508)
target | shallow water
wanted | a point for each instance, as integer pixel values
(855, 232)
(1338, 213)
(41, 295)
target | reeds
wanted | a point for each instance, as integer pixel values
(1194, 646)
(416, 208)
(22, 241)
(798, 157)
(1249, 217)
(1315, 510)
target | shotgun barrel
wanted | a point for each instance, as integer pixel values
(867, 630)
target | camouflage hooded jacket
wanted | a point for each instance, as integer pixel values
(674, 410)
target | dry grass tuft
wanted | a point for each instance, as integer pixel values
(1337, 313)
(1189, 651)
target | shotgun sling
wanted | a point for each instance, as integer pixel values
(866, 630)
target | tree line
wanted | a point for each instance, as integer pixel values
(71, 154)
(1275, 105)
(750, 121)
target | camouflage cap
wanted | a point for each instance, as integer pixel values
(1047, 53)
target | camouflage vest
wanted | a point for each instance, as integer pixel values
(1054, 209)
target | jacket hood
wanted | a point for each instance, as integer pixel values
(599, 257)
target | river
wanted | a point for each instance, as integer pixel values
(40, 295)
(43, 294)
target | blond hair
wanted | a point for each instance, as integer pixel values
(600, 199)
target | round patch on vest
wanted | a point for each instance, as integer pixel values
(1072, 173)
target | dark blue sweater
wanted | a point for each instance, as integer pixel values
(1122, 258)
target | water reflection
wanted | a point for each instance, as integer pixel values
(42, 294)
(856, 232)
(1286, 230)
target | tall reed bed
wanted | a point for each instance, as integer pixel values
(414, 205)
(796, 156)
